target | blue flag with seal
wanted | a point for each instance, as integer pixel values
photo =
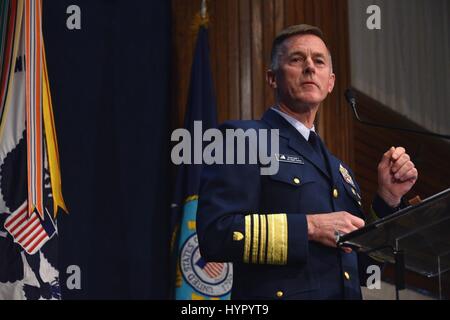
(195, 278)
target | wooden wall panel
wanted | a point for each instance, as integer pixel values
(257, 60)
(220, 48)
(278, 15)
(268, 33)
(240, 35)
(232, 66)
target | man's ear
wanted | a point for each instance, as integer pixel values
(271, 78)
(331, 82)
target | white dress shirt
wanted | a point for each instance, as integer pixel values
(304, 131)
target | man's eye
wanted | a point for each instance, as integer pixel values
(320, 61)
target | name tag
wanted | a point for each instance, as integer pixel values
(289, 158)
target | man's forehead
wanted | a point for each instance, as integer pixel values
(305, 42)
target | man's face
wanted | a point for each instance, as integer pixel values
(304, 76)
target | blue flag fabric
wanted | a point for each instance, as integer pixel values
(196, 279)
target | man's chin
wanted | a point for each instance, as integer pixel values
(309, 100)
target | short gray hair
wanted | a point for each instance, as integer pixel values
(289, 32)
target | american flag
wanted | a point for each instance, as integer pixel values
(212, 269)
(28, 232)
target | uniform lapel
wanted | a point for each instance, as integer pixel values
(296, 141)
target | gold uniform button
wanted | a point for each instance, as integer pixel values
(296, 180)
(360, 204)
(335, 193)
(347, 275)
(237, 236)
(354, 191)
(280, 294)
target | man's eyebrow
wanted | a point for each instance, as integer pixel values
(319, 54)
(297, 52)
(302, 53)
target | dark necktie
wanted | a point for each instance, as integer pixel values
(315, 144)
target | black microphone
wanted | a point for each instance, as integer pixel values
(349, 96)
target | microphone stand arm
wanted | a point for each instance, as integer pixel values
(442, 136)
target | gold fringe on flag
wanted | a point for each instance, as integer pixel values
(52, 143)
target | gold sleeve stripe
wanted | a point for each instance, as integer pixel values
(248, 238)
(266, 239)
(263, 239)
(255, 238)
(270, 238)
(277, 239)
(285, 237)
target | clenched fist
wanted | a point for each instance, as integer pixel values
(396, 175)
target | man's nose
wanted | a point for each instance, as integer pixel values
(309, 66)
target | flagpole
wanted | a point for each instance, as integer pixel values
(201, 19)
(204, 10)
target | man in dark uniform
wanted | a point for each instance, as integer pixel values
(280, 230)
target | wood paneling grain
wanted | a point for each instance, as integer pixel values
(245, 49)
(232, 64)
(268, 33)
(257, 60)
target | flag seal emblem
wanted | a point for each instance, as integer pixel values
(213, 279)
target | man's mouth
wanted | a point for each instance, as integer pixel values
(309, 83)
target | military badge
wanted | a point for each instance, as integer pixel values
(346, 175)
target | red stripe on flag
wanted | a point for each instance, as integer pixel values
(38, 108)
(213, 269)
(25, 218)
(216, 266)
(210, 273)
(41, 238)
(24, 227)
(40, 229)
(28, 102)
(26, 235)
(15, 217)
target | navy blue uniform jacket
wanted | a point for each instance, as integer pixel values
(259, 222)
